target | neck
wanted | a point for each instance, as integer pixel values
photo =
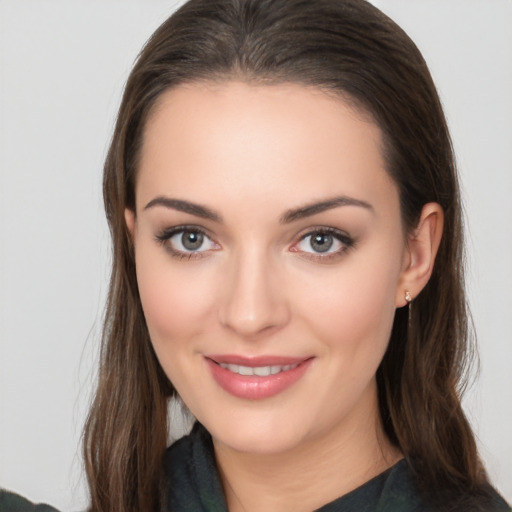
(332, 463)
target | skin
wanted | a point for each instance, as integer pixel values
(258, 287)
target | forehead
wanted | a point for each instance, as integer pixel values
(255, 140)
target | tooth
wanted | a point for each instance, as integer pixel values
(245, 370)
(262, 371)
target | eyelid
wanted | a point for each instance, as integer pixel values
(343, 237)
(346, 240)
(165, 235)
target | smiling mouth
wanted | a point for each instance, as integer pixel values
(259, 371)
(256, 378)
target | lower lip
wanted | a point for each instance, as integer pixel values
(252, 387)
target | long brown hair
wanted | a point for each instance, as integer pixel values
(347, 47)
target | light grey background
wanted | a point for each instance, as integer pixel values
(62, 67)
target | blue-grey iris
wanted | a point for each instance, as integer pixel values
(192, 241)
(321, 242)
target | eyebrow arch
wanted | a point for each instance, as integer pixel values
(322, 206)
(184, 206)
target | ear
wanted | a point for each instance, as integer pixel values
(420, 253)
(129, 218)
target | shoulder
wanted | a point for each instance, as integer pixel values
(401, 493)
(182, 454)
(11, 502)
(191, 478)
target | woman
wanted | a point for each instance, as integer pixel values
(286, 226)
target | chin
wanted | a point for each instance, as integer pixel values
(259, 436)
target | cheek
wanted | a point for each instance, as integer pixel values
(353, 309)
(177, 301)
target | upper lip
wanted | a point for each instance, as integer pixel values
(256, 361)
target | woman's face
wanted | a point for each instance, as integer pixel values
(269, 252)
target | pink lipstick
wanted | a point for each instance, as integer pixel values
(256, 378)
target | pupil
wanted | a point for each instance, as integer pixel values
(321, 242)
(192, 241)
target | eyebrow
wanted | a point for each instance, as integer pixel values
(186, 207)
(288, 217)
(322, 206)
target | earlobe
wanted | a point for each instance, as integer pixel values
(423, 244)
(129, 218)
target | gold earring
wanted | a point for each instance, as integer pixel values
(408, 297)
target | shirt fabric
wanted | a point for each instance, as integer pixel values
(194, 486)
(190, 466)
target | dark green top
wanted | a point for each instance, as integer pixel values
(190, 465)
(10, 502)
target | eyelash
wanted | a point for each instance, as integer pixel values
(164, 237)
(347, 243)
(343, 238)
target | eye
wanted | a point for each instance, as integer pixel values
(324, 242)
(186, 241)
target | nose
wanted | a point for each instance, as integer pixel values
(254, 300)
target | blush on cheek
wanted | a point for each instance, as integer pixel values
(175, 299)
(354, 311)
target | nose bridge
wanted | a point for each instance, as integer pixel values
(253, 302)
